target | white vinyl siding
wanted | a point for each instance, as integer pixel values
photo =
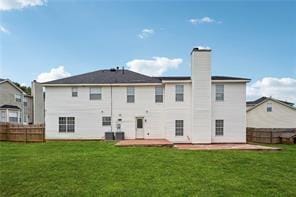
(130, 94)
(158, 94)
(219, 92)
(95, 94)
(74, 92)
(219, 127)
(66, 124)
(179, 93)
(179, 127)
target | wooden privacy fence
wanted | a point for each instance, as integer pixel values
(269, 135)
(22, 133)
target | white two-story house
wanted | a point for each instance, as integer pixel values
(197, 109)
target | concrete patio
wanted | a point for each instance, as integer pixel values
(225, 147)
(145, 142)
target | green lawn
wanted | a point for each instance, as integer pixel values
(93, 168)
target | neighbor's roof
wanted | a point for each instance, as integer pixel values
(2, 79)
(113, 76)
(9, 107)
(260, 100)
(11, 83)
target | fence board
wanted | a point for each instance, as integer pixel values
(267, 135)
(22, 133)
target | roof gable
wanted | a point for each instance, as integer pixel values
(270, 99)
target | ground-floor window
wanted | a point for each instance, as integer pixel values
(179, 127)
(66, 124)
(220, 127)
(3, 116)
(106, 120)
(13, 117)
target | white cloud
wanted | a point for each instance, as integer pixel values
(146, 33)
(278, 88)
(20, 4)
(155, 66)
(4, 30)
(203, 20)
(53, 74)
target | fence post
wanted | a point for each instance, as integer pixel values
(26, 134)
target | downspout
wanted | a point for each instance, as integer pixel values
(111, 109)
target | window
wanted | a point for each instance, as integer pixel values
(74, 92)
(66, 124)
(158, 94)
(139, 123)
(130, 94)
(106, 120)
(18, 98)
(269, 107)
(25, 102)
(179, 127)
(95, 94)
(180, 93)
(13, 116)
(219, 92)
(3, 116)
(219, 127)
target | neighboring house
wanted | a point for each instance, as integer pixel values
(15, 105)
(267, 112)
(197, 109)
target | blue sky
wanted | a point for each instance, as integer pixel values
(250, 39)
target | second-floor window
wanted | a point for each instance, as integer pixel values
(95, 94)
(158, 94)
(18, 98)
(25, 102)
(269, 107)
(130, 94)
(219, 92)
(74, 92)
(179, 93)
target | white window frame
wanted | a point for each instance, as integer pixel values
(74, 91)
(159, 94)
(67, 123)
(25, 102)
(18, 97)
(219, 92)
(13, 118)
(95, 93)
(179, 93)
(179, 128)
(269, 107)
(219, 127)
(3, 116)
(106, 121)
(130, 94)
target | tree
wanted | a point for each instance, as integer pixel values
(26, 89)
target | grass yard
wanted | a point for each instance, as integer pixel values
(99, 168)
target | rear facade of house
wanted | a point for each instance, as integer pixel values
(15, 105)
(196, 109)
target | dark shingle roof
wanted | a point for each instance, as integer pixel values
(260, 100)
(229, 78)
(107, 77)
(9, 107)
(112, 76)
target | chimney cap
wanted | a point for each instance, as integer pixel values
(201, 49)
